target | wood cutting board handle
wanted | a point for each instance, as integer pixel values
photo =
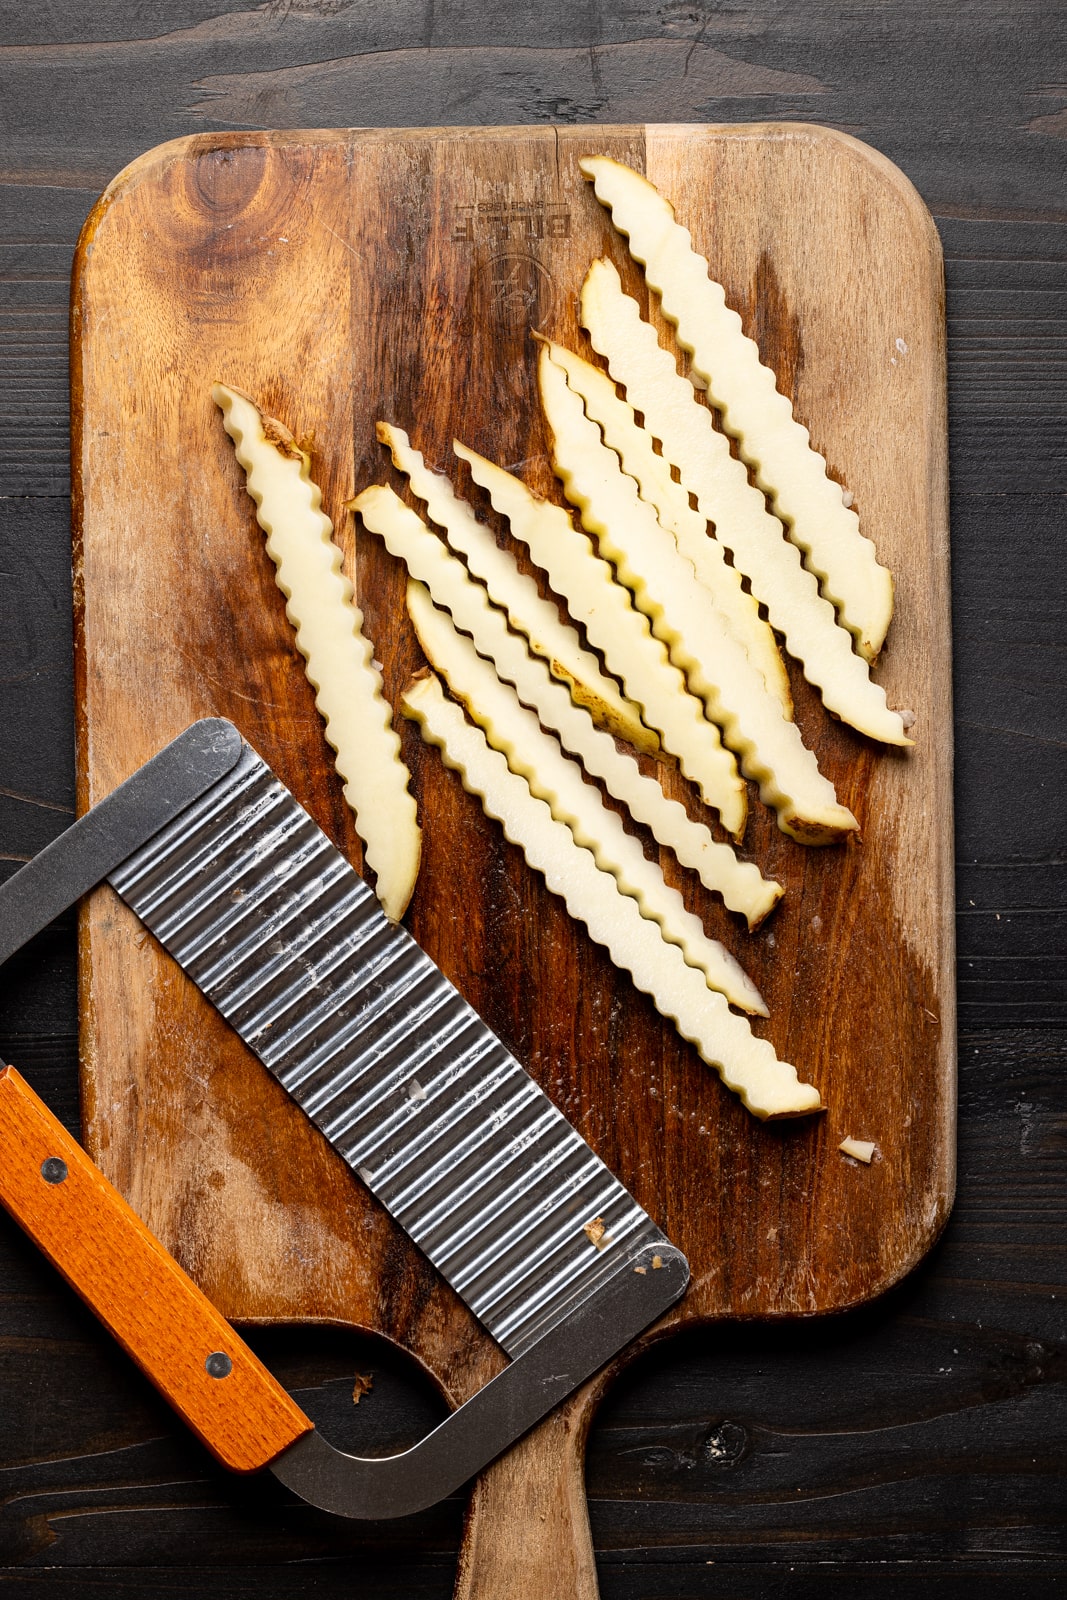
(137, 1289)
(527, 1535)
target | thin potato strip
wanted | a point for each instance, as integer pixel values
(556, 779)
(741, 884)
(739, 512)
(727, 363)
(529, 613)
(652, 474)
(746, 1064)
(769, 746)
(622, 634)
(329, 635)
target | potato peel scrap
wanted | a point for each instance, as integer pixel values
(329, 635)
(529, 613)
(652, 474)
(556, 779)
(747, 1064)
(717, 667)
(741, 884)
(727, 363)
(739, 512)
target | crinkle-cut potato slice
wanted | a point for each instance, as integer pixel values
(329, 635)
(741, 884)
(739, 512)
(622, 634)
(748, 1065)
(719, 669)
(727, 363)
(556, 779)
(558, 643)
(652, 474)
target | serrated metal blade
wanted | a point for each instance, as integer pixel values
(384, 1054)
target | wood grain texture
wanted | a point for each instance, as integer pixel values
(527, 1528)
(342, 277)
(138, 1291)
(920, 1439)
(957, 1480)
(903, 77)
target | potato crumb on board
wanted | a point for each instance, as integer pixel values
(860, 1149)
(363, 1384)
(595, 1233)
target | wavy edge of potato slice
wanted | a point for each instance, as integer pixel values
(670, 501)
(558, 780)
(622, 633)
(557, 642)
(329, 632)
(771, 440)
(742, 886)
(739, 512)
(664, 585)
(747, 1064)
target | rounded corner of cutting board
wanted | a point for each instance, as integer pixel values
(140, 170)
(152, 164)
(834, 142)
(891, 177)
(923, 1239)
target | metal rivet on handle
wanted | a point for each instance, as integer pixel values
(53, 1170)
(218, 1364)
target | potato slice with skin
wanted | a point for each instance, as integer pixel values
(741, 884)
(329, 635)
(652, 474)
(529, 613)
(727, 363)
(748, 1065)
(769, 746)
(623, 636)
(556, 779)
(752, 534)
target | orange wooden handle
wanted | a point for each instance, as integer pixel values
(137, 1289)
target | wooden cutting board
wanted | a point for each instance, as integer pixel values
(340, 277)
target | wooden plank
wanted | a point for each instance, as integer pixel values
(954, 99)
(342, 277)
(907, 79)
(126, 80)
(953, 1381)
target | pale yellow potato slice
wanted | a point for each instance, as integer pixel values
(622, 635)
(556, 779)
(742, 521)
(558, 643)
(741, 884)
(859, 1149)
(748, 1065)
(727, 363)
(670, 500)
(682, 614)
(329, 635)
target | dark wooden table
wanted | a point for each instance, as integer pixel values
(919, 1441)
